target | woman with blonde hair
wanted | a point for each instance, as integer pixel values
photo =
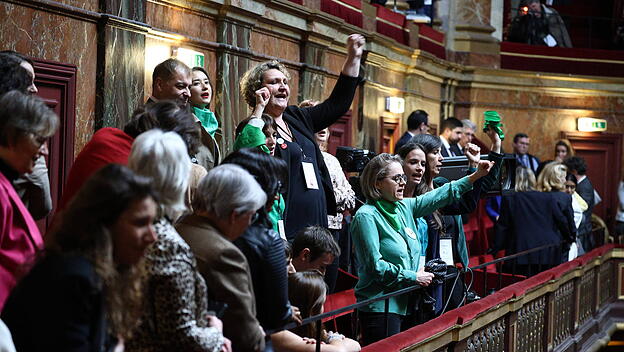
(266, 87)
(530, 219)
(552, 178)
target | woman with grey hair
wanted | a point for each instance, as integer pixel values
(26, 123)
(224, 205)
(310, 195)
(175, 316)
(386, 242)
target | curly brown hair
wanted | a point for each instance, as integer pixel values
(85, 230)
(252, 79)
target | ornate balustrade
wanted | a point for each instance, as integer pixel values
(573, 307)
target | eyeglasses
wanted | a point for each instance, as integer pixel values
(398, 178)
(39, 140)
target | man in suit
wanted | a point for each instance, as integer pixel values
(452, 131)
(467, 134)
(171, 80)
(521, 144)
(577, 167)
(417, 123)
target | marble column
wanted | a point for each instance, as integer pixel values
(229, 104)
(121, 61)
(468, 30)
(311, 81)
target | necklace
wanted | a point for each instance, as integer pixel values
(286, 131)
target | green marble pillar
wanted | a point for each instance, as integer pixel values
(121, 62)
(231, 65)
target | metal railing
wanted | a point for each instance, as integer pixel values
(317, 319)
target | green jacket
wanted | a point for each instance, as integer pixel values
(388, 260)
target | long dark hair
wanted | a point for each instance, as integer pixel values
(307, 290)
(270, 172)
(429, 144)
(84, 230)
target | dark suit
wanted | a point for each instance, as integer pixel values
(228, 278)
(533, 219)
(586, 191)
(405, 138)
(531, 162)
(454, 148)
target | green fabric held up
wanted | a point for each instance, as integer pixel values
(389, 212)
(207, 119)
(251, 137)
(493, 120)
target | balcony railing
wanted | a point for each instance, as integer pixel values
(569, 307)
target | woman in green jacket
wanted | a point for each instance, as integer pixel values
(386, 242)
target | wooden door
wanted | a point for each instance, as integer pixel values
(57, 87)
(390, 134)
(340, 133)
(603, 154)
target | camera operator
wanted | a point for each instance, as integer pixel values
(537, 24)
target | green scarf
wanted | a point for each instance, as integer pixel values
(390, 211)
(207, 119)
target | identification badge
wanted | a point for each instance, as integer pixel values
(280, 229)
(410, 233)
(309, 175)
(421, 262)
(446, 251)
(550, 41)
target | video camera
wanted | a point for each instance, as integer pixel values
(456, 167)
(353, 159)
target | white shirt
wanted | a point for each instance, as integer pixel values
(620, 212)
(447, 146)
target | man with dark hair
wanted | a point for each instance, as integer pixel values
(452, 131)
(171, 80)
(417, 123)
(577, 167)
(314, 248)
(521, 143)
(17, 73)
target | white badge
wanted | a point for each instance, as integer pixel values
(279, 140)
(280, 229)
(421, 262)
(550, 41)
(410, 233)
(309, 175)
(446, 251)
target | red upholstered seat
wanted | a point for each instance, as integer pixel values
(338, 300)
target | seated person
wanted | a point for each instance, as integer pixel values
(538, 24)
(314, 248)
(307, 290)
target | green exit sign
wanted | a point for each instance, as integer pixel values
(590, 124)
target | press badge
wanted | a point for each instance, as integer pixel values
(410, 233)
(280, 229)
(309, 175)
(446, 251)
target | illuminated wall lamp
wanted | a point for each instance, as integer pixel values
(395, 105)
(590, 124)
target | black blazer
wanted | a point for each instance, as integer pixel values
(405, 138)
(586, 191)
(59, 306)
(533, 219)
(308, 121)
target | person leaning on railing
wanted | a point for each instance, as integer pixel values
(386, 244)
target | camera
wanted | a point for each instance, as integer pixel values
(353, 159)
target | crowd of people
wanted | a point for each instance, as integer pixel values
(160, 242)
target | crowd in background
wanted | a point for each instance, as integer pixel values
(160, 242)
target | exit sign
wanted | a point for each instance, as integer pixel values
(190, 57)
(590, 124)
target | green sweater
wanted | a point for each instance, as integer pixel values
(388, 260)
